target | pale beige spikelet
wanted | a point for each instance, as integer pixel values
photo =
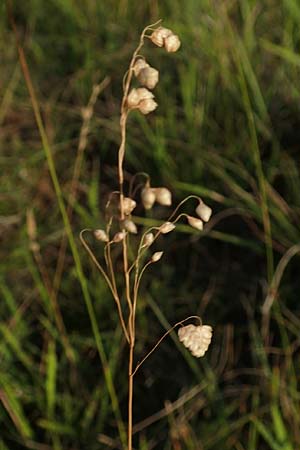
(147, 106)
(148, 197)
(128, 204)
(163, 196)
(172, 43)
(148, 239)
(133, 98)
(101, 235)
(118, 237)
(195, 223)
(196, 338)
(203, 211)
(139, 64)
(166, 227)
(142, 99)
(130, 226)
(136, 95)
(148, 77)
(156, 256)
(159, 35)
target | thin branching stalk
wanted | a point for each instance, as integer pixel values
(198, 338)
(162, 338)
(121, 155)
(108, 281)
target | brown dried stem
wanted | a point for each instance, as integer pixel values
(87, 114)
(121, 155)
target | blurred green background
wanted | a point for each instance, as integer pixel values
(227, 129)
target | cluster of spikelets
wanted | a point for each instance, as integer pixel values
(196, 338)
(141, 98)
(149, 196)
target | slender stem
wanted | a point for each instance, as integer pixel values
(109, 264)
(161, 339)
(130, 394)
(121, 155)
(142, 247)
(131, 191)
(137, 280)
(181, 203)
(111, 287)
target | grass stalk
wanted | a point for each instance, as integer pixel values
(67, 225)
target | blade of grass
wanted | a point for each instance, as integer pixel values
(50, 384)
(14, 407)
(238, 57)
(265, 434)
(79, 269)
(11, 338)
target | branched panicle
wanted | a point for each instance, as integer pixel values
(138, 84)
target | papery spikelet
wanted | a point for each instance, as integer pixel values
(101, 235)
(163, 196)
(133, 98)
(147, 106)
(148, 197)
(195, 223)
(203, 211)
(130, 226)
(156, 256)
(172, 43)
(139, 64)
(128, 204)
(196, 338)
(159, 35)
(136, 96)
(148, 76)
(118, 237)
(166, 227)
(148, 239)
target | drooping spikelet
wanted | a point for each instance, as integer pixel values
(196, 338)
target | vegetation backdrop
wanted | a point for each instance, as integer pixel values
(227, 129)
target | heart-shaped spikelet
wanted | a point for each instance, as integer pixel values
(196, 338)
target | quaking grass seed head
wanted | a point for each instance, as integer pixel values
(163, 196)
(148, 77)
(159, 35)
(195, 223)
(118, 237)
(128, 204)
(148, 197)
(141, 99)
(166, 227)
(172, 43)
(147, 106)
(130, 226)
(196, 338)
(203, 211)
(148, 239)
(163, 37)
(156, 256)
(101, 235)
(139, 64)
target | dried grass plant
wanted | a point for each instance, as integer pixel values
(121, 230)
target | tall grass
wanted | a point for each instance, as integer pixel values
(226, 129)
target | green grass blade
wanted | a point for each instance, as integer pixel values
(14, 407)
(51, 373)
